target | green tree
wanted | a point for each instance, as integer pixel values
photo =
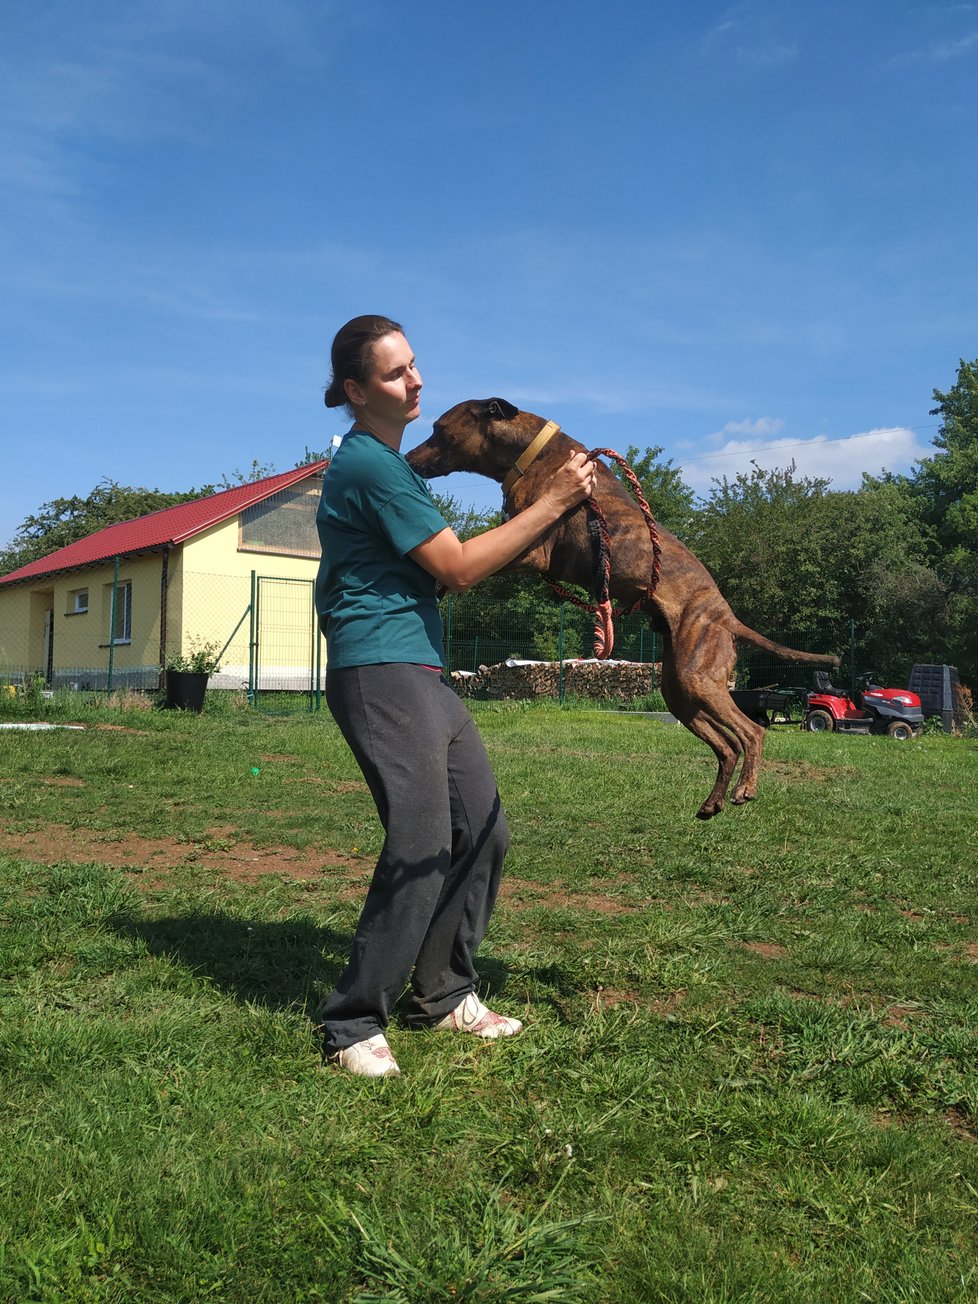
(66, 520)
(760, 536)
(890, 590)
(945, 488)
(807, 564)
(465, 521)
(506, 614)
(257, 471)
(670, 499)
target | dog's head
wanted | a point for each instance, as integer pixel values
(484, 435)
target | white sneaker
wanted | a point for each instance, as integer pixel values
(473, 1016)
(371, 1058)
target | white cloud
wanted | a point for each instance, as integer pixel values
(749, 33)
(759, 428)
(842, 460)
(939, 51)
(952, 49)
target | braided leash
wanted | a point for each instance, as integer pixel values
(604, 634)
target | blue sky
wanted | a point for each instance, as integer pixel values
(735, 231)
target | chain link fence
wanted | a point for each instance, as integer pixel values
(480, 635)
(114, 626)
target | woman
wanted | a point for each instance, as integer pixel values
(386, 549)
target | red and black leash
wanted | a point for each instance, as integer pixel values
(604, 635)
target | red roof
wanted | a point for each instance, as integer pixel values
(169, 526)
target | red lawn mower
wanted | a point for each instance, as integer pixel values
(871, 709)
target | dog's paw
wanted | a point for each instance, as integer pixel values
(709, 809)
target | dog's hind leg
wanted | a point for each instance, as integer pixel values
(725, 748)
(727, 751)
(699, 697)
(725, 715)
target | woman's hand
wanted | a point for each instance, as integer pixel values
(571, 483)
(459, 565)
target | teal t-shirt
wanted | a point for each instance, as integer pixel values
(375, 604)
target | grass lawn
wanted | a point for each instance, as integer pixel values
(749, 1070)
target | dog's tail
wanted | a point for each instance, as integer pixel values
(749, 635)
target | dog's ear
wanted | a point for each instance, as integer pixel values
(499, 408)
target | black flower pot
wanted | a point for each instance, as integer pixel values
(185, 690)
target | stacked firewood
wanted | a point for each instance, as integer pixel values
(603, 680)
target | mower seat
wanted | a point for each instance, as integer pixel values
(822, 684)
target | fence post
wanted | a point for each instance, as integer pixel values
(253, 645)
(318, 636)
(112, 606)
(560, 657)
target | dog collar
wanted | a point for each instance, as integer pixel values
(530, 454)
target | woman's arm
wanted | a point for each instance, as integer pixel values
(458, 565)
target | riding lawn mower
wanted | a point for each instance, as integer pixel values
(871, 709)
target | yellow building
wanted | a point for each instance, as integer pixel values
(236, 569)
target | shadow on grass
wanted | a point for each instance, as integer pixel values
(283, 965)
(291, 964)
(551, 985)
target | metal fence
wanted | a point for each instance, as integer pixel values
(115, 626)
(488, 635)
(479, 634)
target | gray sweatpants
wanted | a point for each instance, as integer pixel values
(436, 881)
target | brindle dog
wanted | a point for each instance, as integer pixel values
(699, 630)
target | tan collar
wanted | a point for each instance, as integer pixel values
(530, 454)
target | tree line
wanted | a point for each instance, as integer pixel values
(896, 558)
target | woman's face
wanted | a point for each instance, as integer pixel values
(392, 390)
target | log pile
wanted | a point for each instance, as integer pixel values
(604, 680)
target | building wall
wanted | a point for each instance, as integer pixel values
(208, 594)
(15, 625)
(59, 626)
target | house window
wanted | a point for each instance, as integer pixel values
(285, 523)
(77, 602)
(122, 630)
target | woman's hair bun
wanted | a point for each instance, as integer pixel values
(351, 352)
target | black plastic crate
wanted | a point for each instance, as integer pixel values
(937, 688)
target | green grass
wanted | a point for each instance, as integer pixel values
(749, 1070)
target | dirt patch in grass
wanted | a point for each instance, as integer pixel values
(63, 781)
(331, 785)
(805, 772)
(766, 950)
(666, 1004)
(520, 894)
(705, 899)
(897, 1016)
(971, 951)
(606, 998)
(962, 1124)
(894, 1016)
(149, 860)
(241, 862)
(118, 728)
